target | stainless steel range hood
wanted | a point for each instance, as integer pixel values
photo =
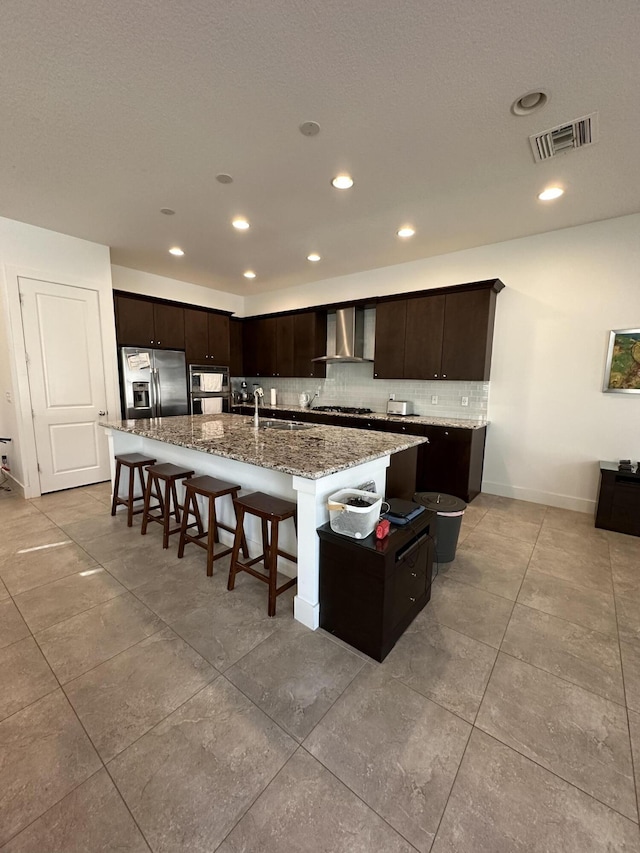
(349, 337)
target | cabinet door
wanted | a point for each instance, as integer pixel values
(235, 344)
(250, 347)
(196, 335)
(168, 322)
(468, 333)
(444, 463)
(423, 341)
(391, 320)
(219, 346)
(266, 329)
(134, 322)
(284, 346)
(309, 342)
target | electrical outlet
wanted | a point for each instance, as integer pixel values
(434, 399)
(465, 401)
(392, 396)
(7, 394)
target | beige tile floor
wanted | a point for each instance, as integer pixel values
(142, 706)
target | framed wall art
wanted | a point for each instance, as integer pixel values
(622, 373)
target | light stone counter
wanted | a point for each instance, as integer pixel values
(460, 423)
(305, 466)
(311, 453)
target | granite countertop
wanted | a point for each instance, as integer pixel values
(311, 453)
(460, 423)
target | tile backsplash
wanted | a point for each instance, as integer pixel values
(354, 385)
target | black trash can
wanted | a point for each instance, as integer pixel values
(450, 511)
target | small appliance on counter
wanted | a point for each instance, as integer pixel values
(208, 389)
(399, 407)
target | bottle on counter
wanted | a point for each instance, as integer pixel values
(274, 396)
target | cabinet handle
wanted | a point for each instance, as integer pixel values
(414, 575)
(411, 599)
(150, 342)
(435, 375)
(444, 375)
(375, 374)
(159, 342)
(446, 433)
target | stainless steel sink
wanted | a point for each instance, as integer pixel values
(288, 425)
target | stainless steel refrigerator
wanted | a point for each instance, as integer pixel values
(153, 383)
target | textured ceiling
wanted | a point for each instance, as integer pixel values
(111, 111)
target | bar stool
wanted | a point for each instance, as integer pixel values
(168, 474)
(211, 489)
(134, 462)
(268, 509)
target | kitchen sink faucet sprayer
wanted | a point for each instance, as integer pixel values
(257, 394)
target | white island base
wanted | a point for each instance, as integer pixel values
(309, 494)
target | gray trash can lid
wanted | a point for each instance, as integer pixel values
(442, 504)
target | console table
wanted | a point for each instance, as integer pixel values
(618, 506)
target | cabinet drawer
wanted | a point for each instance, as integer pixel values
(410, 582)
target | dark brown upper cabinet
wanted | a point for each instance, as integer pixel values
(444, 335)
(206, 337)
(236, 366)
(468, 335)
(168, 321)
(259, 346)
(143, 323)
(285, 345)
(309, 342)
(391, 329)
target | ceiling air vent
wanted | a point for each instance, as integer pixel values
(565, 137)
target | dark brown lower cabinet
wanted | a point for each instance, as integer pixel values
(450, 462)
(371, 590)
(618, 506)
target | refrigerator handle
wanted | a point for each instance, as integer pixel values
(158, 392)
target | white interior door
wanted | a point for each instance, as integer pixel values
(66, 378)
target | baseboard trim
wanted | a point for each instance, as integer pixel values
(16, 487)
(535, 496)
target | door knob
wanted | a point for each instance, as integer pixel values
(102, 414)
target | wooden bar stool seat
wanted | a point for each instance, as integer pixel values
(211, 489)
(168, 474)
(271, 511)
(134, 462)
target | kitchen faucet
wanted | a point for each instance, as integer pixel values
(257, 394)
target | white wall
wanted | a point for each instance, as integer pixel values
(33, 252)
(149, 284)
(550, 421)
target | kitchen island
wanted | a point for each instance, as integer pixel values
(305, 466)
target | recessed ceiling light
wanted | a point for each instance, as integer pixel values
(529, 102)
(342, 182)
(249, 274)
(406, 231)
(224, 179)
(240, 223)
(167, 211)
(313, 257)
(550, 193)
(176, 251)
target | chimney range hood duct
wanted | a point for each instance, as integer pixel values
(349, 337)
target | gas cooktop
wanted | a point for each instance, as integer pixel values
(344, 410)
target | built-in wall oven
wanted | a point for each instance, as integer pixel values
(209, 389)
